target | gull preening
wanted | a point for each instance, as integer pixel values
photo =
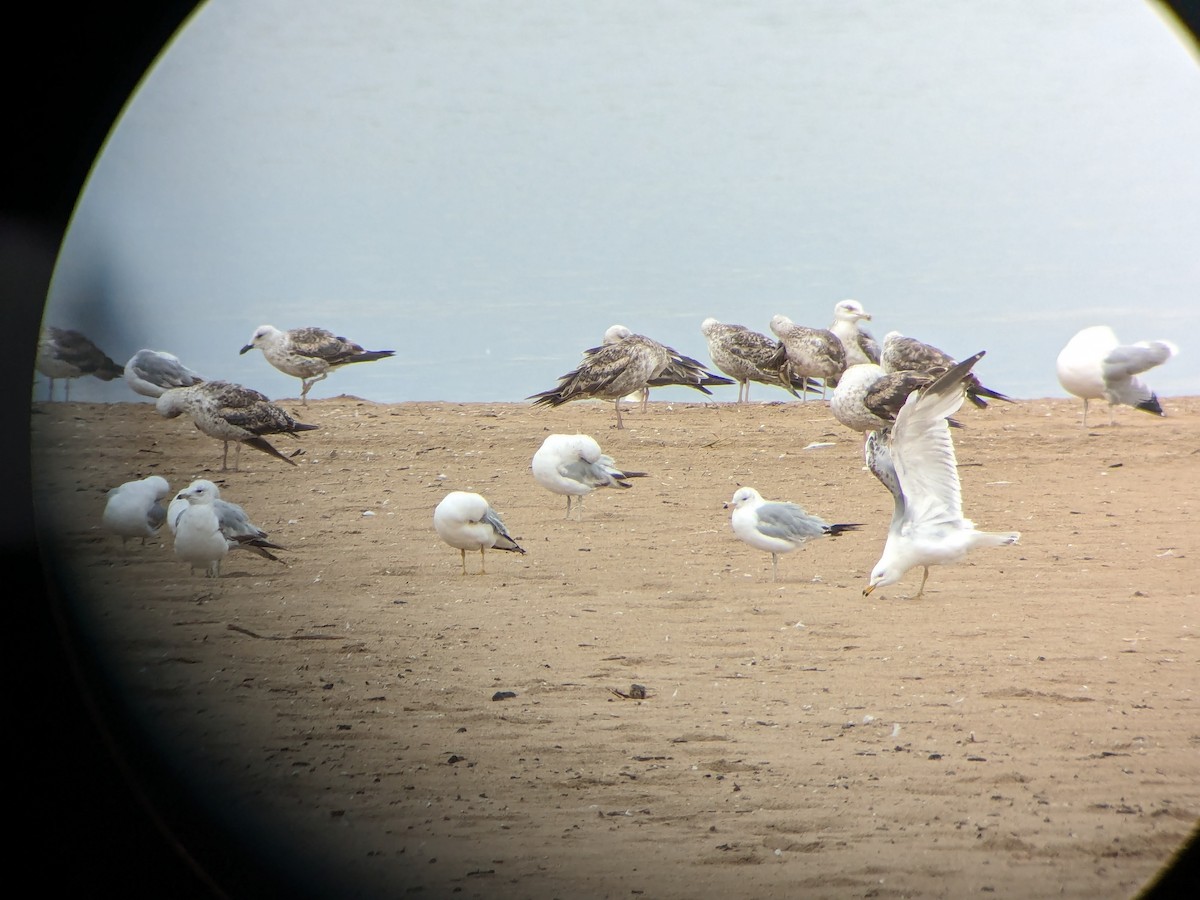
(745, 356)
(777, 526)
(150, 372)
(134, 510)
(309, 354)
(811, 352)
(905, 354)
(465, 521)
(914, 459)
(231, 412)
(234, 524)
(574, 465)
(860, 347)
(198, 538)
(65, 354)
(680, 370)
(1094, 365)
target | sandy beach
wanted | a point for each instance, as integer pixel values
(366, 721)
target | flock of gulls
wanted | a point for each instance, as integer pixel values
(900, 394)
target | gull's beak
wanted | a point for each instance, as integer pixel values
(866, 316)
(244, 349)
(867, 590)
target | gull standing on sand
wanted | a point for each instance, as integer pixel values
(811, 352)
(465, 521)
(198, 538)
(860, 346)
(915, 461)
(239, 532)
(747, 356)
(309, 353)
(150, 372)
(231, 412)
(573, 464)
(905, 354)
(66, 354)
(777, 527)
(868, 398)
(1094, 365)
(680, 370)
(134, 509)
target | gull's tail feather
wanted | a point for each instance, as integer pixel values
(994, 538)
(260, 444)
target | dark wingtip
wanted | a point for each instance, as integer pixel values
(260, 444)
(1151, 406)
(835, 530)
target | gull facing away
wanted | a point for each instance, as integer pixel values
(573, 464)
(150, 372)
(230, 412)
(914, 459)
(66, 354)
(680, 370)
(310, 354)
(198, 538)
(777, 527)
(134, 510)
(860, 347)
(466, 522)
(239, 532)
(811, 352)
(747, 356)
(1094, 365)
(905, 354)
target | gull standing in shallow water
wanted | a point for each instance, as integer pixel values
(66, 354)
(133, 509)
(240, 533)
(573, 464)
(465, 521)
(150, 372)
(309, 354)
(230, 412)
(914, 459)
(777, 527)
(1094, 365)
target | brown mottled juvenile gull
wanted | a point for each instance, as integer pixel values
(745, 356)
(680, 370)
(66, 354)
(868, 398)
(1094, 365)
(905, 354)
(231, 412)
(914, 459)
(811, 352)
(465, 521)
(309, 354)
(860, 346)
(150, 372)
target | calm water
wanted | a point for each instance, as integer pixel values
(485, 194)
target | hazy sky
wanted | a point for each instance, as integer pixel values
(485, 189)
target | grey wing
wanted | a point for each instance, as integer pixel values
(234, 522)
(1132, 359)
(164, 370)
(584, 472)
(503, 540)
(789, 522)
(156, 515)
(878, 455)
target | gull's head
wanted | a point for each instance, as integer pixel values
(881, 576)
(172, 403)
(892, 336)
(746, 496)
(158, 484)
(707, 326)
(780, 325)
(200, 492)
(616, 333)
(850, 311)
(261, 336)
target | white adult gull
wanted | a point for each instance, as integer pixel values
(150, 372)
(309, 354)
(906, 354)
(811, 352)
(240, 533)
(574, 465)
(134, 510)
(231, 412)
(915, 461)
(465, 521)
(65, 354)
(860, 346)
(777, 526)
(1094, 365)
(198, 538)
(745, 356)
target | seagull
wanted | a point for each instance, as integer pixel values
(905, 354)
(914, 459)
(309, 353)
(746, 356)
(240, 533)
(465, 521)
(198, 538)
(867, 398)
(1095, 365)
(230, 412)
(572, 464)
(66, 354)
(150, 372)
(777, 527)
(860, 346)
(811, 352)
(680, 370)
(133, 509)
